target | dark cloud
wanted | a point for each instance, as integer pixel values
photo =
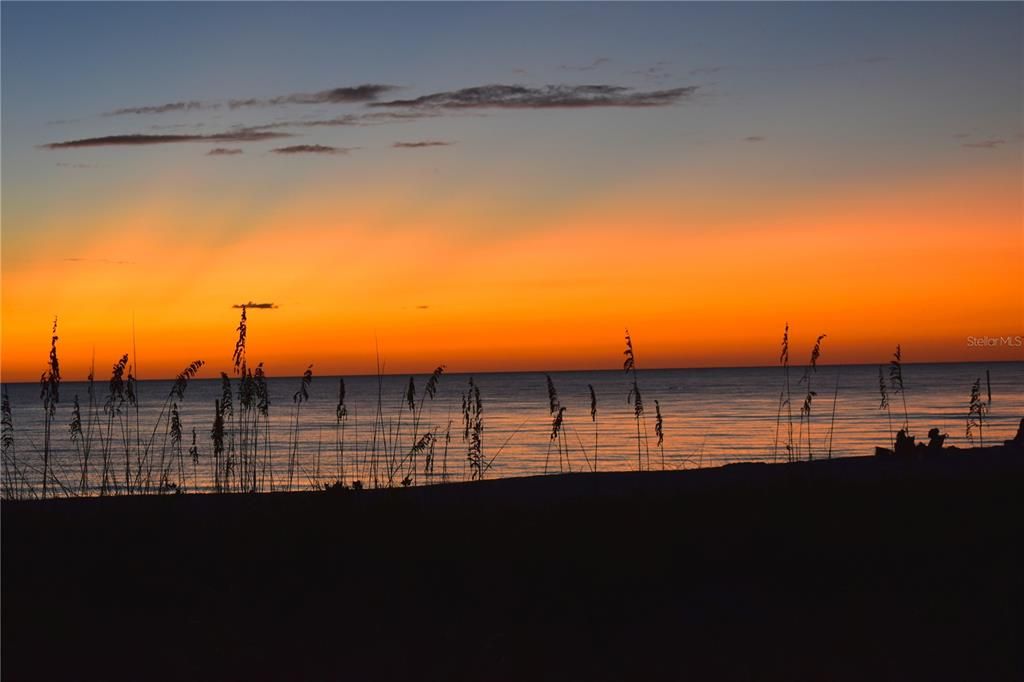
(600, 61)
(223, 151)
(544, 97)
(984, 144)
(235, 135)
(312, 149)
(62, 164)
(753, 138)
(164, 108)
(359, 93)
(422, 143)
(422, 307)
(371, 119)
(257, 306)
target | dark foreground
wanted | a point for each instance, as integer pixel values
(852, 569)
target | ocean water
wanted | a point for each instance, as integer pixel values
(709, 417)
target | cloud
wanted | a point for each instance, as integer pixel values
(358, 93)
(312, 149)
(366, 92)
(753, 138)
(657, 71)
(62, 164)
(984, 144)
(422, 143)
(544, 97)
(705, 70)
(176, 126)
(105, 261)
(164, 108)
(223, 151)
(422, 307)
(235, 135)
(600, 61)
(371, 119)
(257, 306)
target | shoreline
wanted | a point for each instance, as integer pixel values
(850, 568)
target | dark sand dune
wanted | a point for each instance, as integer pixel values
(852, 569)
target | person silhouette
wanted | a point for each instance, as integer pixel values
(904, 443)
(936, 440)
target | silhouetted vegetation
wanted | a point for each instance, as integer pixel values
(49, 393)
(785, 400)
(976, 410)
(556, 435)
(636, 400)
(407, 445)
(805, 410)
(884, 403)
(593, 418)
(896, 382)
(472, 430)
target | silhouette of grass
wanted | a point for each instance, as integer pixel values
(176, 447)
(12, 478)
(659, 431)
(557, 413)
(896, 382)
(242, 452)
(636, 400)
(340, 417)
(175, 395)
(977, 409)
(884, 404)
(299, 397)
(593, 418)
(472, 431)
(832, 424)
(217, 436)
(49, 393)
(112, 408)
(238, 357)
(805, 410)
(785, 401)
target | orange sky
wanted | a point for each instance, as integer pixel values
(926, 266)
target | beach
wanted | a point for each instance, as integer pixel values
(854, 568)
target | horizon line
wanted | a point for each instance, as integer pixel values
(562, 371)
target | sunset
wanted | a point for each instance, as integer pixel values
(586, 281)
(661, 168)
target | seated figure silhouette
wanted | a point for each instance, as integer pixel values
(936, 440)
(904, 443)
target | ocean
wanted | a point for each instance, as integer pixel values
(709, 417)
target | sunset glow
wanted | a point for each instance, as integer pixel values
(839, 200)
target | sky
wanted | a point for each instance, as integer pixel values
(509, 186)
